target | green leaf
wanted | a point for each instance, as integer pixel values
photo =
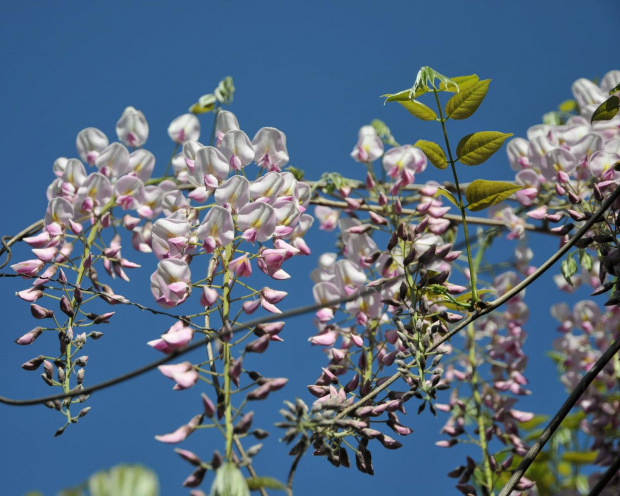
(298, 173)
(255, 483)
(482, 194)
(461, 81)
(474, 149)
(573, 420)
(534, 422)
(433, 153)
(424, 82)
(569, 268)
(467, 100)
(580, 457)
(446, 194)
(403, 96)
(419, 110)
(615, 89)
(585, 259)
(229, 481)
(124, 480)
(606, 110)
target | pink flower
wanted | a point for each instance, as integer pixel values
(174, 338)
(369, 146)
(183, 128)
(28, 267)
(132, 128)
(89, 143)
(183, 374)
(258, 221)
(210, 167)
(403, 162)
(129, 191)
(237, 148)
(270, 148)
(217, 229)
(235, 192)
(241, 266)
(226, 121)
(142, 163)
(113, 161)
(170, 283)
(170, 236)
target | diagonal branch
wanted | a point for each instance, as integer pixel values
(558, 417)
(491, 306)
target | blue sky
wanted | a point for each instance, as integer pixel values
(315, 70)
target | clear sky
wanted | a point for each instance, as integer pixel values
(315, 70)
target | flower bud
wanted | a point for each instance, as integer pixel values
(66, 307)
(33, 363)
(38, 312)
(30, 336)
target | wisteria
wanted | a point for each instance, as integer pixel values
(406, 274)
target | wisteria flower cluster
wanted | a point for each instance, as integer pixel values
(407, 274)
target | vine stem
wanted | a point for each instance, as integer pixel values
(227, 356)
(475, 386)
(472, 272)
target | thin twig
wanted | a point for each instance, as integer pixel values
(611, 472)
(452, 218)
(176, 353)
(249, 465)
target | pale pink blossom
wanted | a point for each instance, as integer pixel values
(210, 167)
(113, 161)
(132, 128)
(142, 163)
(270, 148)
(241, 266)
(267, 187)
(170, 283)
(257, 221)
(129, 191)
(217, 229)
(170, 236)
(235, 191)
(89, 143)
(184, 374)
(237, 149)
(183, 128)
(369, 146)
(226, 121)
